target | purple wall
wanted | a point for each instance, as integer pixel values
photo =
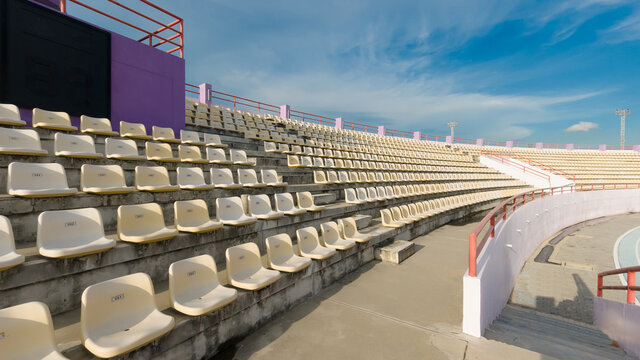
(147, 85)
(54, 4)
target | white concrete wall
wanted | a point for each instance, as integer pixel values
(516, 239)
(529, 178)
(620, 321)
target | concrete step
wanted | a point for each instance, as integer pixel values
(517, 313)
(395, 253)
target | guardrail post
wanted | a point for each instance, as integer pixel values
(285, 111)
(382, 130)
(63, 6)
(448, 139)
(509, 144)
(205, 94)
(339, 123)
(602, 147)
(599, 293)
(569, 146)
(493, 226)
(636, 148)
(538, 146)
(416, 135)
(631, 281)
(504, 212)
(479, 142)
(473, 248)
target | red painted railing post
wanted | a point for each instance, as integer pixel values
(63, 6)
(599, 294)
(524, 199)
(504, 212)
(493, 226)
(472, 254)
(631, 281)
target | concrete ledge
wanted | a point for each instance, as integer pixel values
(396, 252)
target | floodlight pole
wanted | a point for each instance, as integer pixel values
(622, 114)
(452, 124)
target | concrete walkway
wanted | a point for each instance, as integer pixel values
(385, 311)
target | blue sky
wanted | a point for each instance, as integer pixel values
(504, 69)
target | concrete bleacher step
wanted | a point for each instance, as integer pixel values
(395, 253)
(552, 335)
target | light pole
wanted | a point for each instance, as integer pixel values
(452, 124)
(623, 114)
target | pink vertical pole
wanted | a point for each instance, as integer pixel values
(631, 281)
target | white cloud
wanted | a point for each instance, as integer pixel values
(582, 126)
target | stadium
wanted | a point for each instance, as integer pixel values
(160, 207)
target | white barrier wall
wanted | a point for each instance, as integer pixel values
(529, 178)
(620, 321)
(516, 239)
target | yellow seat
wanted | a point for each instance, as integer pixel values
(99, 126)
(271, 178)
(80, 146)
(134, 130)
(351, 197)
(305, 201)
(120, 315)
(55, 120)
(164, 134)
(153, 178)
(231, 212)
(284, 203)
(194, 287)
(160, 152)
(190, 137)
(223, 178)
(217, 156)
(213, 140)
(239, 157)
(388, 221)
(27, 333)
(38, 180)
(281, 255)
(191, 153)
(260, 207)
(331, 237)
(10, 115)
(349, 230)
(245, 270)
(122, 149)
(20, 142)
(249, 178)
(103, 179)
(192, 179)
(143, 223)
(71, 233)
(309, 244)
(193, 216)
(8, 255)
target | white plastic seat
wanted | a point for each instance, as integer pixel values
(99, 126)
(245, 270)
(270, 147)
(153, 178)
(27, 333)
(213, 140)
(231, 212)
(349, 230)
(293, 161)
(194, 287)
(239, 157)
(103, 179)
(351, 197)
(134, 130)
(80, 146)
(192, 178)
(8, 255)
(164, 134)
(159, 152)
(249, 178)
(281, 255)
(309, 244)
(122, 149)
(143, 223)
(38, 180)
(71, 233)
(217, 156)
(191, 153)
(190, 137)
(319, 177)
(193, 216)
(55, 120)
(271, 178)
(284, 203)
(259, 206)
(305, 201)
(396, 212)
(223, 178)
(20, 142)
(331, 237)
(388, 221)
(10, 115)
(120, 315)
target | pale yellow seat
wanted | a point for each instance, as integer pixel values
(190, 137)
(406, 213)
(8, 255)
(194, 287)
(164, 134)
(10, 115)
(239, 157)
(153, 178)
(20, 142)
(27, 333)
(309, 244)
(284, 203)
(293, 161)
(71, 233)
(55, 120)
(80, 146)
(103, 179)
(281, 255)
(122, 149)
(319, 177)
(249, 178)
(217, 156)
(193, 216)
(134, 131)
(349, 230)
(245, 270)
(305, 201)
(120, 315)
(213, 140)
(38, 180)
(259, 206)
(231, 212)
(192, 178)
(388, 221)
(331, 237)
(396, 212)
(159, 152)
(223, 178)
(270, 147)
(351, 197)
(143, 223)
(271, 178)
(99, 126)
(191, 153)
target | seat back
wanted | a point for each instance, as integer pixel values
(190, 176)
(247, 176)
(189, 152)
(229, 208)
(36, 176)
(27, 331)
(189, 136)
(305, 199)
(69, 228)
(259, 204)
(243, 260)
(190, 212)
(19, 138)
(9, 111)
(308, 239)
(238, 155)
(362, 193)
(191, 277)
(7, 242)
(164, 133)
(135, 129)
(74, 143)
(155, 149)
(293, 160)
(279, 248)
(50, 118)
(216, 154)
(350, 195)
(212, 139)
(95, 124)
(101, 176)
(330, 233)
(152, 176)
(121, 147)
(140, 219)
(284, 202)
(348, 227)
(221, 176)
(269, 176)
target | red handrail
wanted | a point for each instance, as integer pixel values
(350, 125)
(399, 133)
(150, 35)
(544, 166)
(187, 86)
(630, 288)
(525, 169)
(240, 101)
(322, 120)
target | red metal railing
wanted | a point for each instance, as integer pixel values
(586, 147)
(236, 101)
(322, 120)
(153, 37)
(433, 137)
(524, 145)
(399, 133)
(457, 140)
(630, 288)
(350, 125)
(554, 146)
(495, 143)
(189, 88)
(545, 167)
(525, 169)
